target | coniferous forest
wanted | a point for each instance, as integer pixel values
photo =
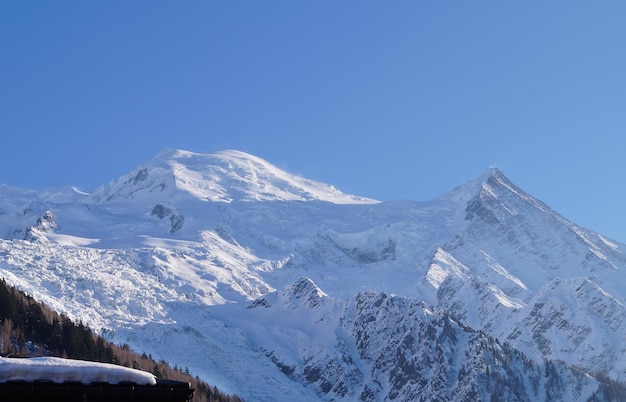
(29, 328)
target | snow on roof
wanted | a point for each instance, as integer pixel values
(60, 370)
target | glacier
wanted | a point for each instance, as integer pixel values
(265, 283)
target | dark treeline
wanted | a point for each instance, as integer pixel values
(29, 328)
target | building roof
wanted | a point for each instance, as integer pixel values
(49, 378)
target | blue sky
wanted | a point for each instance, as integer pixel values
(382, 99)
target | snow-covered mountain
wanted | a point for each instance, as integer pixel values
(265, 283)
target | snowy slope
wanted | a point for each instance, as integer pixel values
(225, 264)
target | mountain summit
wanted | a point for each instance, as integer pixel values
(224, 176)
(267, 283)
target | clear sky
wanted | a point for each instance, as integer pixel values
(386, 99)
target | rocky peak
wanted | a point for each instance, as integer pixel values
(44, 224)
(47, 222)
(498, 198)
(303, 292)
